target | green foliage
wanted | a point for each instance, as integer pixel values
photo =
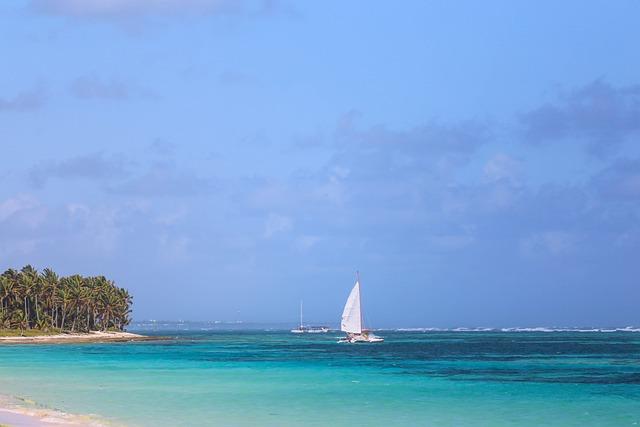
(48, 303)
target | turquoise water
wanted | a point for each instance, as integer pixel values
(250, 378)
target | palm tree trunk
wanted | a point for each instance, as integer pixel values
(64, 314)
(26, 311)
(37, 311)
(73, 326)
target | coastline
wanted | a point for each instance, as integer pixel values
(94, 336)
(16, 412)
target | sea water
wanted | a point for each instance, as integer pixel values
(275, 378)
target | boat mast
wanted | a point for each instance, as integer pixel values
(300, 314)
(360, 300)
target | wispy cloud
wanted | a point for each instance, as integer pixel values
(276, 224)
(119, 174)
(163, 179)
(502, 167)
(555, 243)
(91, 167)
(600, 114)
(620, 181)
(92, 87)
(97, 227)
(27, 100)
(162, 147)
(121, 11)
(22, 208)
(173, 248)
(127, 8)
(234, 78)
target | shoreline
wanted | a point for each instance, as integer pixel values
(18, 412)
(89, 337)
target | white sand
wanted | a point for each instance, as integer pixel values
(19, 413)
(95, 336)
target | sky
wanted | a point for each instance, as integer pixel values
(477, 162)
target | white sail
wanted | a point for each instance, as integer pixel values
(300, 314)
(351, 316)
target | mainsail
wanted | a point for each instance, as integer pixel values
(300, 314)
(351, 315)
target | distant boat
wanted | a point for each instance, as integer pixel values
(302, 329)
(352, 322)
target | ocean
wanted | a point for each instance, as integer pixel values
(275, 378)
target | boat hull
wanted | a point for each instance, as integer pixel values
(310, 330)
(364, 338)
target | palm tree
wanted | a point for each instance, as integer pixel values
(20, 320)
(6, 289)
(28, 278)
(77, 297)
(50, 286)
(43, 301)
(65, 298)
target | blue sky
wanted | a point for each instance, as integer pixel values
(478, 162)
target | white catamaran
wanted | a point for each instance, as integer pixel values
(302, 329)
(352, 322)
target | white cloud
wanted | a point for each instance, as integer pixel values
(173, 248)
(307, 242)
(452, 242)
(24, 209)
(172, 217)
(95, 227)
(502, 167)
(13, 247)
(333, 188)
(276, 224)
(16, 204)
(550, 242)
(265, 195)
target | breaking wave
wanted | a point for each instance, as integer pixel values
(536, 329)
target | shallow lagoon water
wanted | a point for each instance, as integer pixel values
(274, 378)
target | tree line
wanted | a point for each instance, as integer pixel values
(46, 301)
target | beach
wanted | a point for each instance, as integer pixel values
(15, 418)
(16, 412)
(24, 418)
(94, 336)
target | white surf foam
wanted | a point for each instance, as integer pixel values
(522, 329)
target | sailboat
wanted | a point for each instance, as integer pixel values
(352, 322)
(301, 329)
